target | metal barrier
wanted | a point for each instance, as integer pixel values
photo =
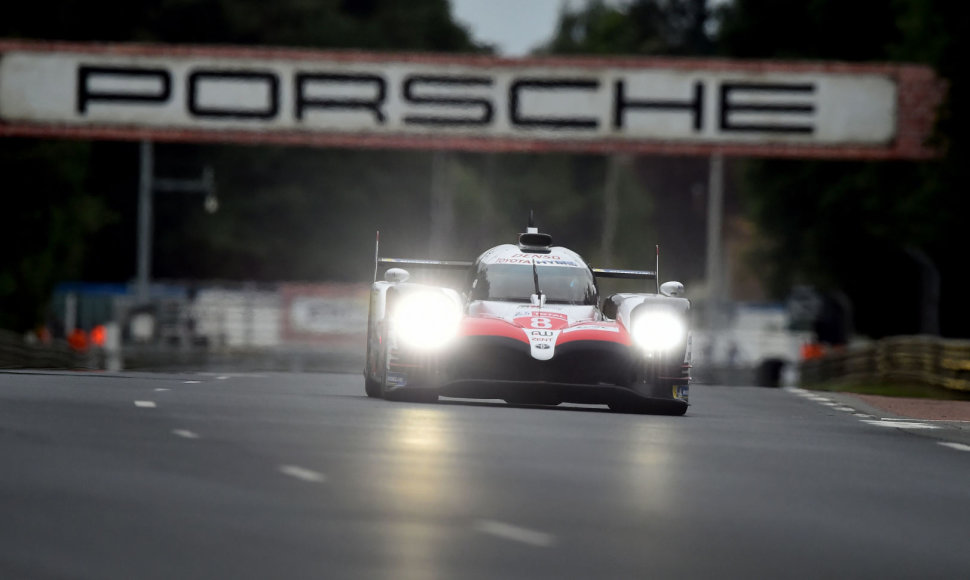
(921, 360)
(16, 353)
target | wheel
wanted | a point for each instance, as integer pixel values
(401, 395)
(372, 387)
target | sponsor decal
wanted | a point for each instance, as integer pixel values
(681, 392)
(538, 320)
(397, 96)
(406, 100)
(542, 347)
(599, 327)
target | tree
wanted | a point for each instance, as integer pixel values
(863, 227)
(654, 187)
(286, 213)
(49, 218)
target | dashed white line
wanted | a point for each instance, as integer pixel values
(515, 533)
(160, 390)
(145, 404)
(221, 378)
(957, 446)
(303, 473)
(191, 382)
(901, 424)
(185, 433)
(866, 418)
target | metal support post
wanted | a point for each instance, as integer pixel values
(144, 222)
(714, 271)
(442, 205)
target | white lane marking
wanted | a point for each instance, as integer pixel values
(828, 404)
(957, 446)
(302, 473)
(515, 533)
(863, 415)
(185, 433)
(191, 382)
(901, 424)
(145, 404)
(845, 409)
(162, 390)
(221, 378)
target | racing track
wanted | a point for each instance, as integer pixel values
(300, 476)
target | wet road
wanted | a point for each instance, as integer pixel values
(301, 476)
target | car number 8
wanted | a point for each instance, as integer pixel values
(541, 323)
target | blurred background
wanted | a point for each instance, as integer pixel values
(263, 260)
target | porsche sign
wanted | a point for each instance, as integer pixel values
(463, 102)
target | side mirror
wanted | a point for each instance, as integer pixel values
(397, 275)
(672, 289)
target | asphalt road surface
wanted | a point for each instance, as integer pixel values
(142, 476)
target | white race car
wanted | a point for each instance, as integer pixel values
(528, 327)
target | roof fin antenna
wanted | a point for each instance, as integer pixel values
(377, 253)
(532, 229)
(535, 280)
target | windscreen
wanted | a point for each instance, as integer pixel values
(515, 282)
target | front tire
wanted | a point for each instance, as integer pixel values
(372, 387)
(401, 395)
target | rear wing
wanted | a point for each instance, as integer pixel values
(414, 263)
(631, 274)
(625, 274)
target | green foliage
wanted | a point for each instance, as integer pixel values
(308, 214)
(365, 24)
(645, 27)
(857, 226)
(285, 213)
(51, 218)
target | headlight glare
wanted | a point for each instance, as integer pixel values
(426, 320)
(658, 331)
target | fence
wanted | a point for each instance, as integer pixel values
(16, 352)
(922, 360)
(202, 326)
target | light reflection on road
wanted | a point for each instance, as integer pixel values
(424, 487)
(650, 463)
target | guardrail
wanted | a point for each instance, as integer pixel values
(923, 360)
(15, 353)
(344, 356)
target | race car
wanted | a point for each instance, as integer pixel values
(527, 326)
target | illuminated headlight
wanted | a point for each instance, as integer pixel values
(426, 320)
(658, 331)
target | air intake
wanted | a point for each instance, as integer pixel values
(535, 242)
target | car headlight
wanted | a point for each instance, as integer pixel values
(658, 331)
(426, 320)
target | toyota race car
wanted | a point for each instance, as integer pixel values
(527, 326)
